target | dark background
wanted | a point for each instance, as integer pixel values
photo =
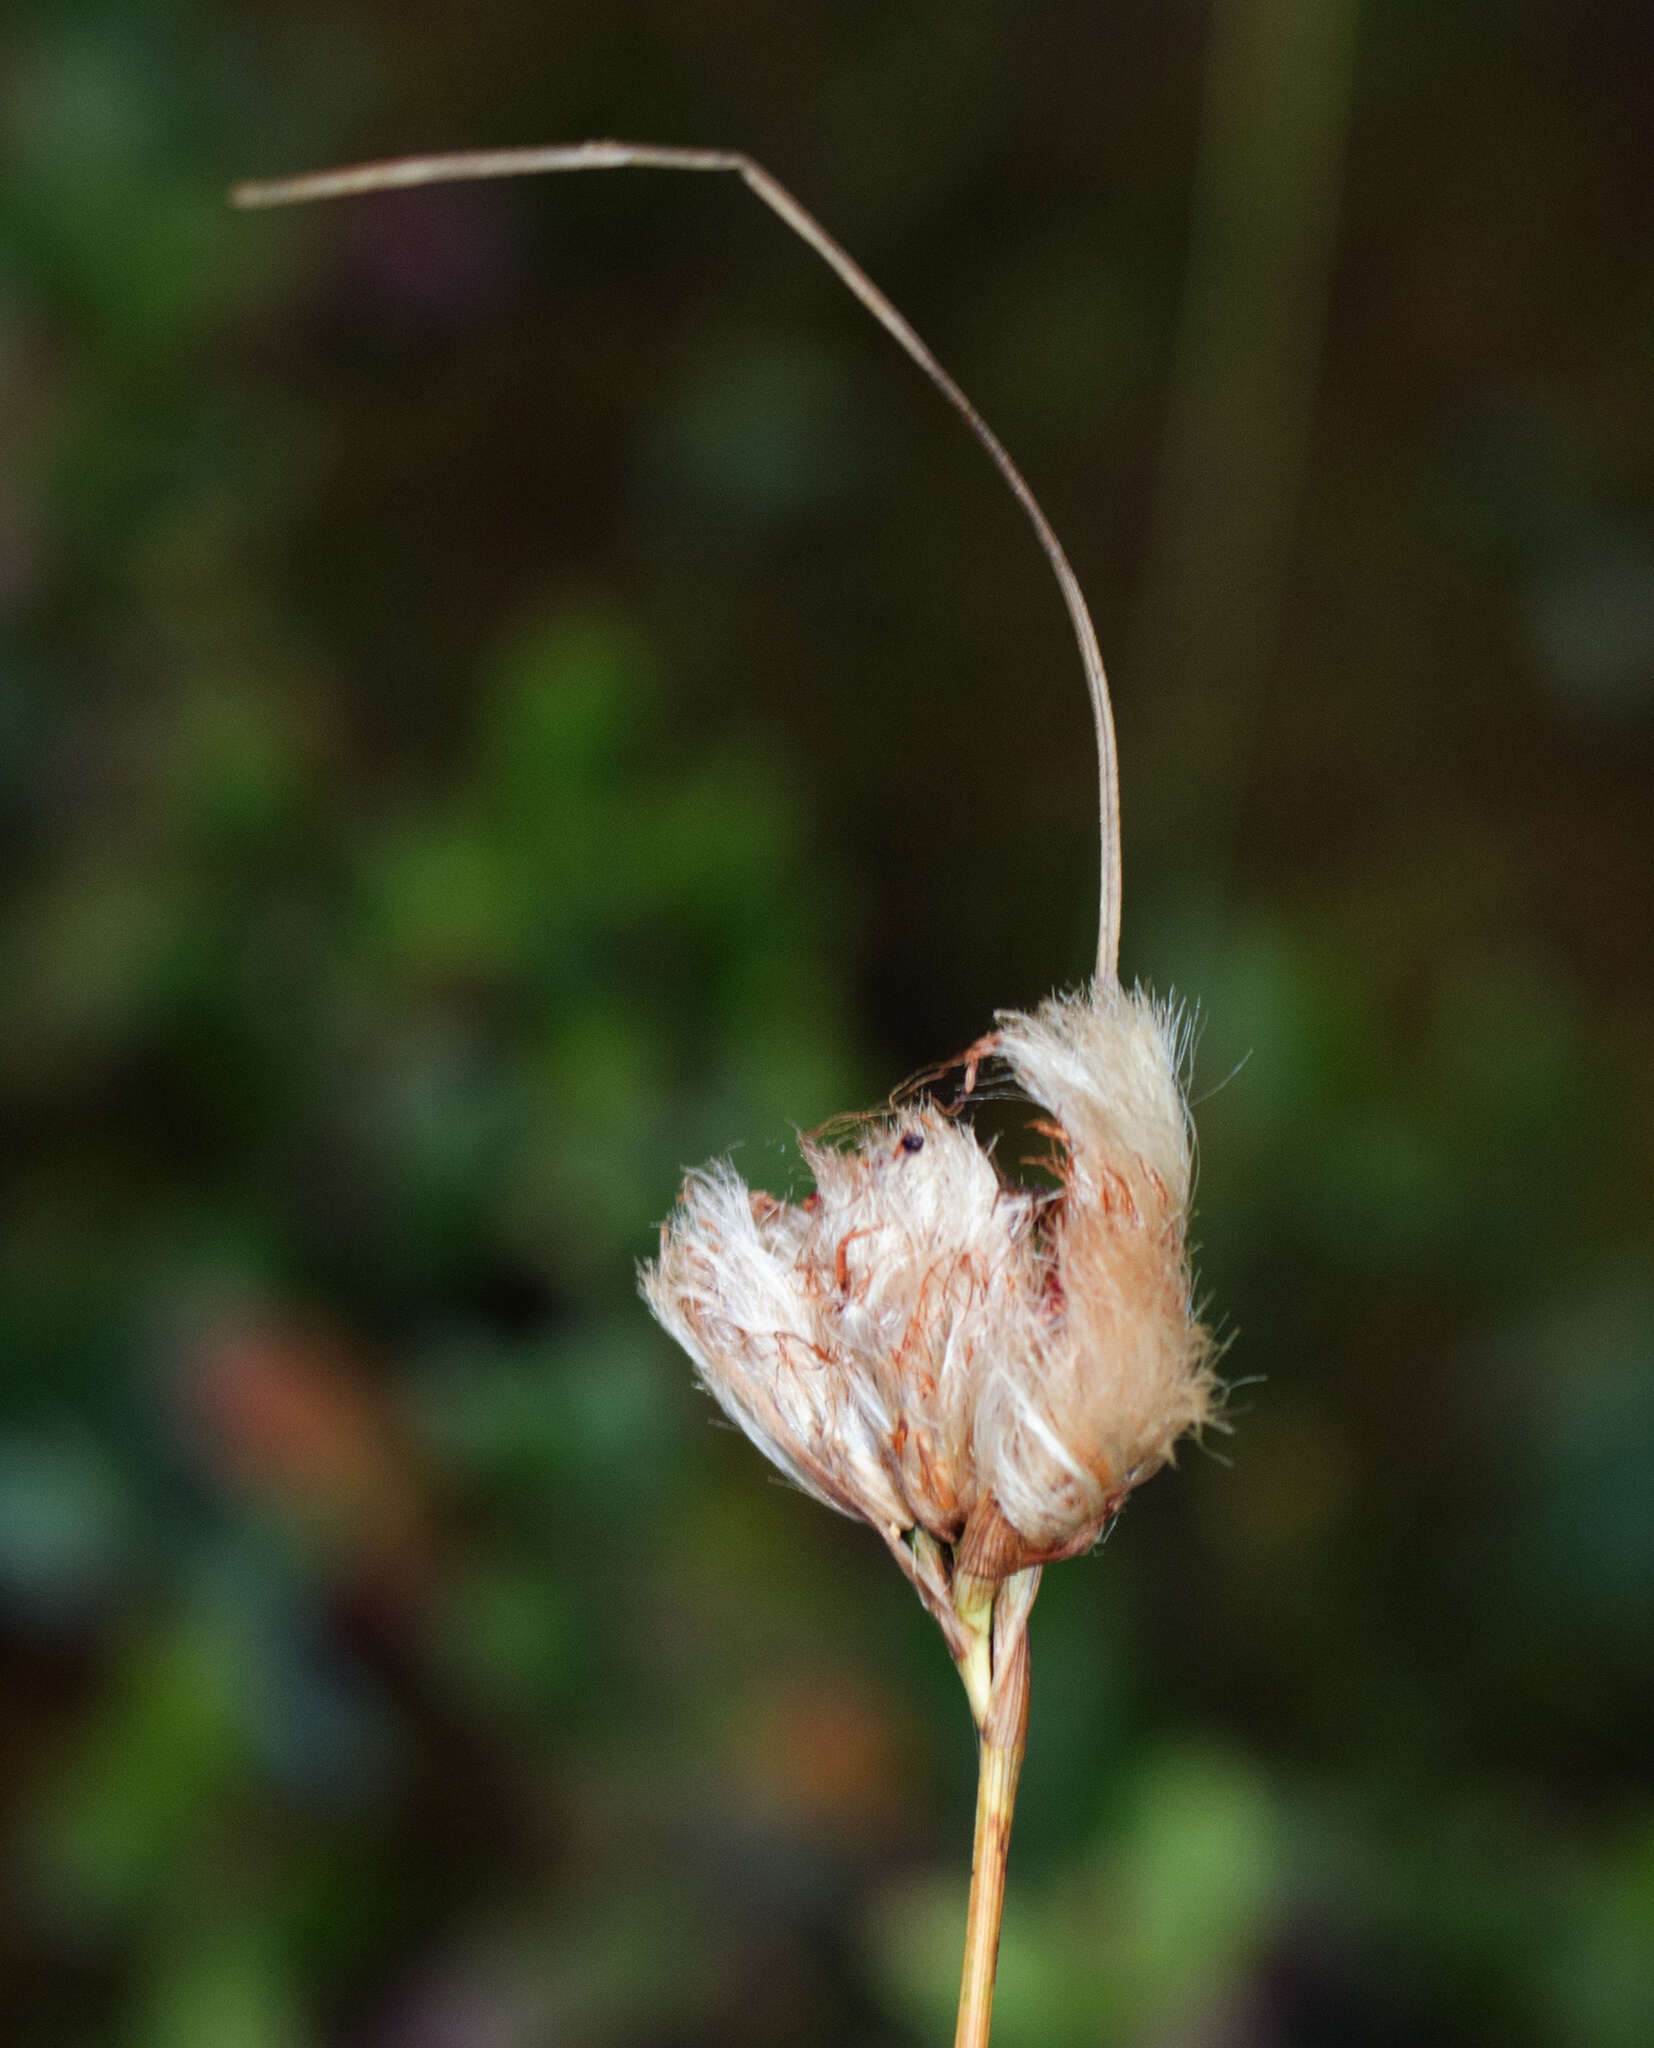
(509, 691)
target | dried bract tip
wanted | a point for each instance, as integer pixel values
(927, 1347)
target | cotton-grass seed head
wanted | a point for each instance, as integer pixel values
(929, 1347)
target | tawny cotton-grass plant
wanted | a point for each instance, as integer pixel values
(982, 1371)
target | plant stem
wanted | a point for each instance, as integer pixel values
(994, 1666)
(996, 1791)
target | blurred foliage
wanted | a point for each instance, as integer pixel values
(504, 693)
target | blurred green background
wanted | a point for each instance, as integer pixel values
(505, 692)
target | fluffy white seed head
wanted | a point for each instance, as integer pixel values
(927, 1347)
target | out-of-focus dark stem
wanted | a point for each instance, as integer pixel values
(1267, 190)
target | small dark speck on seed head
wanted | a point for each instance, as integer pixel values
(912, 1142)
